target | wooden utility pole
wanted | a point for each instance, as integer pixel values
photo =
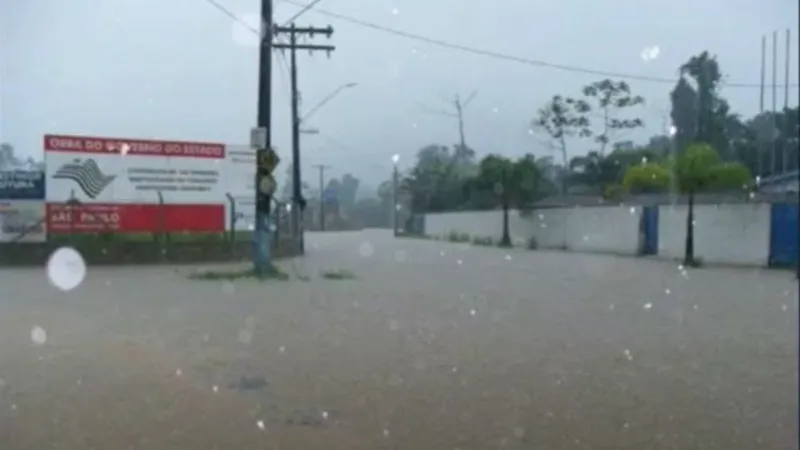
(322, 168)
(298, 202)
(264, 152)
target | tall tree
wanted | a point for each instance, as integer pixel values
(513, 183)
(699, 169)
(435, 182)
(561, 118)
(612, 98)
(684, 113)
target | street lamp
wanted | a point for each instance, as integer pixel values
(395, 205)
(322, 103)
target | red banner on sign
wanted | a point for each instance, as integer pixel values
(142, 147)
(134, 218)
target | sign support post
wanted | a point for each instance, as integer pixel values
(266, 160)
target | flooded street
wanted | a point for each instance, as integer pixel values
(433, 345)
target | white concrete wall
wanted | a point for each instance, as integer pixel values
(477, 224)
(605, 229)
(723, 234)
(596, 229)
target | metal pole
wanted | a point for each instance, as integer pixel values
(774, 100)
(261, 238)
(786, 70)
(759, 142)
(297, 192)
(394, 200)
(785, 146)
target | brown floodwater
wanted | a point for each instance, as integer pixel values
(432, 346)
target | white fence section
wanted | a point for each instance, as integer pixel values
(724, 234)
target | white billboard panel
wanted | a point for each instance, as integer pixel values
(22, 221)
(113, 170)
(240, 183)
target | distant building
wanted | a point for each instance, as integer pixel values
(783, 183)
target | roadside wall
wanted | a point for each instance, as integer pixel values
(736, 234)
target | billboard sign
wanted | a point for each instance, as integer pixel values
(22, 185)
(113, 170)
(240, 183)
(120, 184)
(134, 218)
(22, 221)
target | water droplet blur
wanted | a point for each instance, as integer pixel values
(395, 11)
(260, 425)
(38, 335)
(215, 389)
(648, 305)
(667, 291)
(325, 415)
(66, 268)
(628, 354)
(228, 288)
(178, 372)
(400, 256)
(393, 325)
(611, 307)
(784, 307)
(366, 250)
(472, 312)
(385, 433)
(519, 432)
(282, 349)
(508, 257)
(459, 262)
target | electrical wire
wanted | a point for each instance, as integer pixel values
(503, 56)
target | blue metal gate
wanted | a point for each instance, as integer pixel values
(650, 229)
(783, 246)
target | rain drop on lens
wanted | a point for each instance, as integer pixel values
(38, 335)
(66, 268)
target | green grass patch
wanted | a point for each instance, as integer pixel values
(273, 273)
(338, 275)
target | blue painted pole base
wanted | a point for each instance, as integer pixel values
(262, 243)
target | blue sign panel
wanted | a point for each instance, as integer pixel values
(329, 196)
(21, 185)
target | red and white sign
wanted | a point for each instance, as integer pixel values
(134, 218)
(140, 147)
(116, 170)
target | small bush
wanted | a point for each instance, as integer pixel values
(485, 240)
(455, 236)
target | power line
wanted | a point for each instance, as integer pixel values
(503, 56)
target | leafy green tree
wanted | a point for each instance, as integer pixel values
(513, 183)
(647, 179)
(699, 169)
(561, 118)
(599, 173)
(684, 113)
(436, 181)
(612, 98)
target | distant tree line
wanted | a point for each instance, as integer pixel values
(707, 148)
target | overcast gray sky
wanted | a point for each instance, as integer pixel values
(181, 69)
